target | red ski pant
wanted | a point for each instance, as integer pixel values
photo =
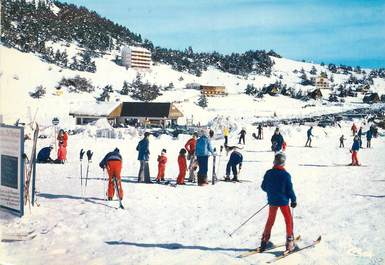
(114, 167)
(161, 170)
(181, 176)
(354, 158)
(270, 221)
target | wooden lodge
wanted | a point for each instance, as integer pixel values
(212, 91)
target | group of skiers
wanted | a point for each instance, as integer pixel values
(357, 141)
(44, 155)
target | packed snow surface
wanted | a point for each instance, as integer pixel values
(189, 224)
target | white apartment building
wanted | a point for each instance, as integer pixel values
(136, 57)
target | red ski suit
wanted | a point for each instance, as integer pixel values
(190, 146)
(114, 167)
(182, 162)
(162, 160)
(62, 153)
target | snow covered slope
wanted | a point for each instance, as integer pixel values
(189, 224)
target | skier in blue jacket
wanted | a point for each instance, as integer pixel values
(369, 136)
(309, 135)
(276, 141)
(143, 157)
(236, 159)
(279, 188)
(44, 155)
(354, 151)
(203, 150)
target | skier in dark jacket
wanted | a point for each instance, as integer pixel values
(354, 151)
(113, 162)
(369, 136)
(279, 188)
(143, 157)
(242, 134)
(44, 155)
(276, 141)
(203, 149)
(260, 132)
(360, 136)
(342, 139)
(309, 135)
(236, 159)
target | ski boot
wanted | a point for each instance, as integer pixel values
(235, 179)
(290, 245)
(265, 243)
(227, 178)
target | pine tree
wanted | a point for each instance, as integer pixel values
(202, 101)
(143, 91)
(126, 89)
(39, 92)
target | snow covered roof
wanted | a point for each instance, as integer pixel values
(102, 109)
(134, 48)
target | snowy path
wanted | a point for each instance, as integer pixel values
(189, 225)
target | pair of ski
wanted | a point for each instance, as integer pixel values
(214, 174)
(89, 157)
(284, 253)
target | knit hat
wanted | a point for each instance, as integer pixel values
(279, 159)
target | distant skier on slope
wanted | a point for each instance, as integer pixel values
(113, 162)
(226, 135)
(162, 160)
(342, 139)
(203, 151)
(279, 188)
(309, 135)
(190, 148)
(354, 151)
(360, 136)
(235, 160)
(354, 129)
(369, 136)
(242, 134)
(260, 132)
(276, 141)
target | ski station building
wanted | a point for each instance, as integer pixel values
(321, 82)
(136, 57)
(212, 91)
(128, 113)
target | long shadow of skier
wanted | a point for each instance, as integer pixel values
(174, 246)
(93, 200)
(370, 196)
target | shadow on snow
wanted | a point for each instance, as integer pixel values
(172, 246)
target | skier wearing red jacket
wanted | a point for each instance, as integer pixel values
(182, 163)
(277, 184)
(61, 153)
(62, 138)
(162, 160)
(113, 162)
(190, 147)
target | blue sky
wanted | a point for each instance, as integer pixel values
(348, 32)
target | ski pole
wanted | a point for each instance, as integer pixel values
(230, 235)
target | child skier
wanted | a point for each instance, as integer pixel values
(61, 154)
(278, 186)
(342, 139)
(354, 151)
(354, 129)
(277, 141)
(190, 147)
(369, 136)
(162, 160)
(113, 162)
(236, 158)
(182, 163)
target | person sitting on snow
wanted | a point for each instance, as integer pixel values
(236, 159)
(279, 188)
(113, 162)
(44, 155)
